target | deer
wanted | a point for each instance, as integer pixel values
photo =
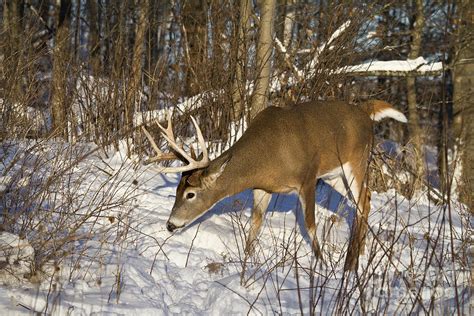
(284, 150)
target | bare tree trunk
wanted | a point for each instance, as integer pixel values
(264, 54)
(93, 42)
(284, 32)
(239, 82)
(464, 100)
(413, 119)
(116, 55)
(134, 91)
(284, 21)
(288, 22)
(194, 22)
(118, 32)
(158, 17)
(134, 88)
(61, 56)
(11, 32)
(77, 30)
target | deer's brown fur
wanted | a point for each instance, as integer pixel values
(288, 150)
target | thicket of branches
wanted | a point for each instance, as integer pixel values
(81, 70)
(93, 70)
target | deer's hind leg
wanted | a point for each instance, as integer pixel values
(261, 199)
(361, 194)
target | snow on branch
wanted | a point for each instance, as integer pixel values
(185, 106)
(282, 49)
(327, 44)
(395, 68)
(196, 101)
(298, 74)
(392, 68)
(334, 35)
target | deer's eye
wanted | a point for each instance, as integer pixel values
(190, 195)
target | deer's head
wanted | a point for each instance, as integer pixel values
(197, 190)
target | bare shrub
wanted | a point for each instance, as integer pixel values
(63, 207)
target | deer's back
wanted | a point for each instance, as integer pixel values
(287, 144)
(310, 126)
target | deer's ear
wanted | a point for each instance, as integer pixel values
(194, 179)
(212, 174)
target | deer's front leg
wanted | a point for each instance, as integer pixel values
(261, 199)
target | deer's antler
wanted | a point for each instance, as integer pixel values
(167, 133)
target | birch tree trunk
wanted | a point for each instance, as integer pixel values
(264, 54)
(413, 119)
(288, 22)
(464, 100)
(284, 21)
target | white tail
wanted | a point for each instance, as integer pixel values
(285, 150)
(379, 110)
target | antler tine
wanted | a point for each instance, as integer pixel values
(175, 146)
(202, 143)
(177, 169)
(193, 164)
(167, 134)
(151, 140)
(169, 128)
(159, 154)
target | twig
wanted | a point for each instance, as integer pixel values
(192, 243)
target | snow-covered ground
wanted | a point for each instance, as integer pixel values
(122, 260)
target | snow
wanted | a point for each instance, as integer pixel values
(327, 45)
(182, 107)
(419, 65)
(142, 269)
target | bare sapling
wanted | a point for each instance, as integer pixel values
(284, 150)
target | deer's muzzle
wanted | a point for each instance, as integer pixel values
(171, 227)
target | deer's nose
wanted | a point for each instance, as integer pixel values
(170, 226)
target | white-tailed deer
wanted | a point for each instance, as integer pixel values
(284, 150)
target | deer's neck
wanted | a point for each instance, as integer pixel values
(239, 175)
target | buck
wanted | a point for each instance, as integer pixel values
(284, 150)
